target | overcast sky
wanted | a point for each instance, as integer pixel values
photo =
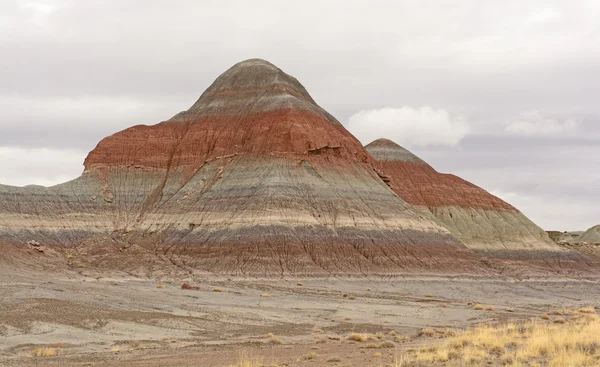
(502, 93)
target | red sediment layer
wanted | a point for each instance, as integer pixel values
(170, 144)
(419, 184)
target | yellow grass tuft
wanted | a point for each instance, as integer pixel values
(309, 356)
(275, 339)
(160, 286)
(587, 310)
(46, 352)
(334, 359)
(377, 355)
(265, 295)
(299, 284)
(246, 361)
(478, 307)
(489, 308)
(357, 337)
(574, 342)
(217, 289)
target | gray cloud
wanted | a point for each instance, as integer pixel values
(73, 72)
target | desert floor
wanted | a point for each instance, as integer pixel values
(89, 318)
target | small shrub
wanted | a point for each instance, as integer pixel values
(478, 307)
(545, 316)
(559, 320)
(80, 266)
(377, 355)
(160, 286)
(372, 346)
(334, 359)
(217, 289)
(299, 284)
(489, 308)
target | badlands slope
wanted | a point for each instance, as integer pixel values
(254, 179)
(483, 222)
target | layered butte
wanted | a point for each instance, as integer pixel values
(255, 178)
(483, 222)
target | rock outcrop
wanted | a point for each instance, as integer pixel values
(586, 243)
(255, 178)
(483, 222)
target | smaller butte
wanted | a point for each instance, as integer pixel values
(482, 221)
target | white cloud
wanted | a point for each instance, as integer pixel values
(408, 126)
(39, 166)
(532, 123)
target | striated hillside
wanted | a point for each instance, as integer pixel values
(484, 222)
(255, 178)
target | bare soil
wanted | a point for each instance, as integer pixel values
(89, 318)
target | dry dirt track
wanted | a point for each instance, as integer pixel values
(95, 319)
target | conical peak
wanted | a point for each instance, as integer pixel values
(387, 150)
(251, 81)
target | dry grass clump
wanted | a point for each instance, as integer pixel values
(274, 339)
(299, 284)
(357, 337)
(478, 307)
(160, 286)
(46, 352)
(217, 289)
(309, 356)
(377, 355)
(574, 342)
(489, 308)
(437, 333)
(246, 361)
(401, 338)
(265, 295)
(387, 344)
(334, 359)
(587, 310)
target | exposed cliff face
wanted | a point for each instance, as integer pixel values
(255, 178)
(485, 223)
